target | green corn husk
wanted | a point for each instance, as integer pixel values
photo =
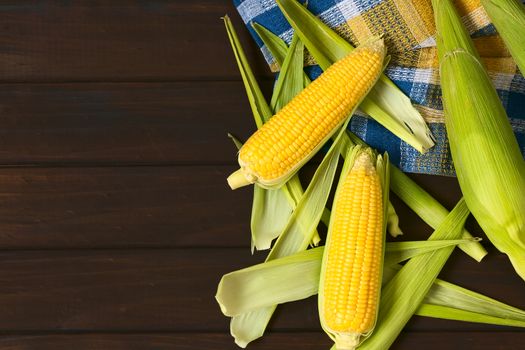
(450, 313)
(392, 221)
(472, 302)
(385, 102)
(291, 70)
(403, 294)
(278, 49)
(422, 203)
(452, 302)
(401, 251)
(290, 81)
(487, 158)
(235, 141)
(428, 209)
(288, 85)
(247, 327)
(250, 326)
(296, 277)
(260, 109)
(274, 282)
(271, 209)
(508, 17)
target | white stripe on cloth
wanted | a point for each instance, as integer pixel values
(250, 9)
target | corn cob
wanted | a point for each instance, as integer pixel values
(281, 146)
(351, 271)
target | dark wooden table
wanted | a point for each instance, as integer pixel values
(115, 219)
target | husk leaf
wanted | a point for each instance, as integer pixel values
(250, 326)
(487, 158)
(424, 205)
(296, 277)
(402, 295)
(290, 81)
(508, 16)
(271, 209)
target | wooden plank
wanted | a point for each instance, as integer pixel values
(120, 41)
(172, 291)
(271, 341)
(140, 123)
(122, 207)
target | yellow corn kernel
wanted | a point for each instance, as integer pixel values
(292, 136)
(351, 276)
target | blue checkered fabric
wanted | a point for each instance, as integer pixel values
(409, 32)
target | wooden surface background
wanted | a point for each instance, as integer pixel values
(116, 222)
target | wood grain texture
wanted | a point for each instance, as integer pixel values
(172, 290)
(141, 123)
(145, 206)
(116, 223)
(271, 341)
(147, 40)
(122, 207)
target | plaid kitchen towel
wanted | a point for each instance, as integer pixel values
(408, 28)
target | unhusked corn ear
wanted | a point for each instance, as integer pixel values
(292, 136)
(486, 154)
(351, 272)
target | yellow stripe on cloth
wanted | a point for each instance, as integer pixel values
(419, 13)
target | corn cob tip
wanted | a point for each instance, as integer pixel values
(239, 179)
(364, 160)
(375, 43)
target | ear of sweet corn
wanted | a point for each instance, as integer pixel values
(294, 238)
(350, 280)
(509, 18)
(386, 103)
(487, 158)
(292, 136)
